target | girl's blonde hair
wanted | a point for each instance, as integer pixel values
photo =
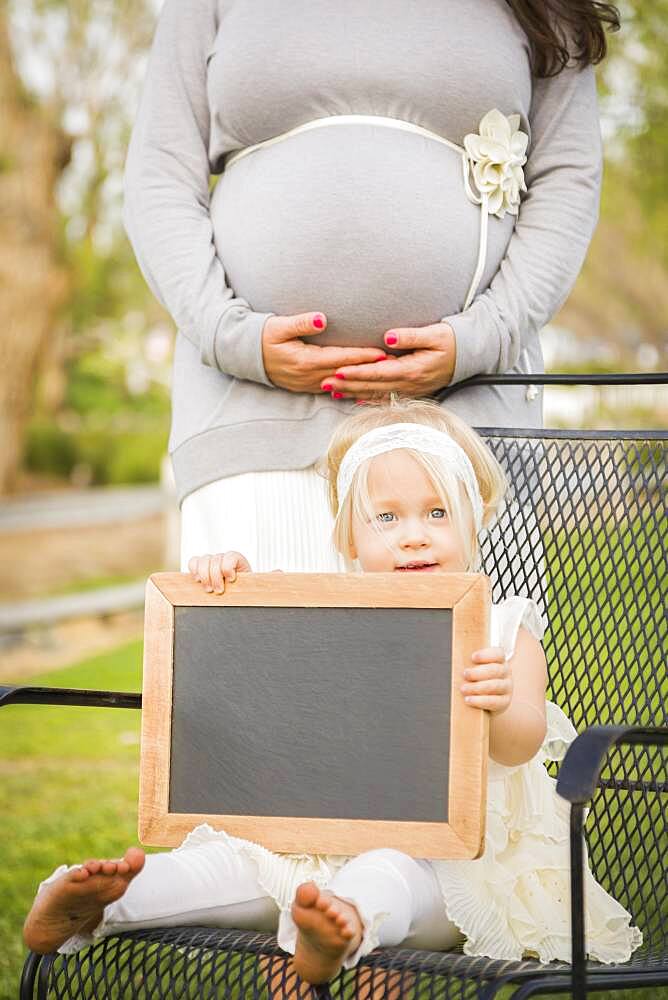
(489, 474)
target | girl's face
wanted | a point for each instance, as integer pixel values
(415, 532)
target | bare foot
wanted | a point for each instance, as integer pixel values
(75, 902)
(329, 929)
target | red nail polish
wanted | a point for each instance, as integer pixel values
(337, 395)
(338, 375)
(383, 357)
(318, 322)
(327, 388)
(390, 338)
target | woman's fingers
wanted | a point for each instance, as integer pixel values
(281, 329)
(399, 375)
(325, 360)
(428, 364)
(415, 374)
(435, 336)
(380, 371)
(293, 363)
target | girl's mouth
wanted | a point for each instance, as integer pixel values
(417, 566)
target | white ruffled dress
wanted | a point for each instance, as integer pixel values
(514, 901)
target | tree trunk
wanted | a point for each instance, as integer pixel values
(33, 285)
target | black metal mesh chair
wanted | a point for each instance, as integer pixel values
(585, 535)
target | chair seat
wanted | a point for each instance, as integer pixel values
(183, 962)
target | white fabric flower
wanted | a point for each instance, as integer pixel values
(496, 157)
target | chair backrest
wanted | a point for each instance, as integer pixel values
(585, 535)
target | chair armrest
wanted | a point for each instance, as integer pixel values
(576, 782)
(69, 696)
(584, 759)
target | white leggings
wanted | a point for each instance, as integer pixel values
(397, 897)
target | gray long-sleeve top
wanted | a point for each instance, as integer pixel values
(366, 223)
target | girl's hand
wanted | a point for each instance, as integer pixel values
(213, 571)
(429, 366)
(489, 684)
(292, 364)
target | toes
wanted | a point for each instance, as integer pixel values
(308, 894)
(93, 866)
(340, 920)
(79, 874)
(109, 867)
(135, 858)
(343, 927)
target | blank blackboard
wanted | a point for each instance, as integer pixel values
(299, 697)
(315, 712)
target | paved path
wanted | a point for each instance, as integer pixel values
(96, 505)
(20, 615)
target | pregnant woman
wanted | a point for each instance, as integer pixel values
(406, 194)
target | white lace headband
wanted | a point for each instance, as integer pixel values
(419, 438)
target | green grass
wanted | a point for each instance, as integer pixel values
(604, 622)
(68, 776)
(68, 789)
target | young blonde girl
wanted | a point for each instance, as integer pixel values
(411, 488)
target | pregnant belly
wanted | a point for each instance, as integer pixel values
(367, 224)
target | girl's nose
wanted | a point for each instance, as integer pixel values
(414, 536)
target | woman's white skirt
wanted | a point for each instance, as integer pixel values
(278, 520)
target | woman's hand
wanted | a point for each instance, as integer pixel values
(292, 364)
(428, 367)
(213, 571)
(489, 684)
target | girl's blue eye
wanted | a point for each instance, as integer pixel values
(385, 517)
(439, 512)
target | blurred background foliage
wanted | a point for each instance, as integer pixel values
(622, 293)
(86, 349)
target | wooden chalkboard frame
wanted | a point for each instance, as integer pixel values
(466, 594)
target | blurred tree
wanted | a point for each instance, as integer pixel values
(35, 151)
(69, 100)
